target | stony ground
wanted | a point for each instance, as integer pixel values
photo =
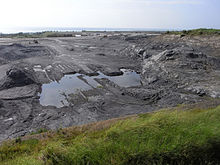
(174, 70)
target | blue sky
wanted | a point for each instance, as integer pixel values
(161, 14)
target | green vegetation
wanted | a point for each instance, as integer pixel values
(172, 136)
(39, 34)
(196, 32)
(41, 130)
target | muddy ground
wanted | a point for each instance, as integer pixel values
(173, 70)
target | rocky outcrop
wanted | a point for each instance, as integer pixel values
(19, 92)
(181, 69)
(18, 77)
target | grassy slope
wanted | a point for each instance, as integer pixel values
(196, 32)
(164, 137)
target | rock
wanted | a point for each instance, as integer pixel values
(100, 54)
(169, 54)
(1, 104)
(71, 49)
(215, 94)
(146, 55)
(19, 92)
(192, 55)
(151, 79)
(15, 73)
(197, 90)
(141, 52)
(36, 41)
(17, 77)
(119, 73)
(143, 94)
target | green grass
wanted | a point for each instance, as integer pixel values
(39, 34)
(41, 130)
(196, 32)
(164, 137)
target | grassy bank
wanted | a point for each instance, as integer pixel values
(173, 136)
(196, 32)
(39, 34)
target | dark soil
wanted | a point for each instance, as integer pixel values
(174, 70)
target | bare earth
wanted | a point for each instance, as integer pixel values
(173, 69)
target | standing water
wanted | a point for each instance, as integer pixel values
(55, 93)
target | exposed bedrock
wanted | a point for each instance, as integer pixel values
(19, 83)
(174, 70)
(18, 77)
(182, 70)
(185, 69)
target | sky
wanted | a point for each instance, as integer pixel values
(152, 14)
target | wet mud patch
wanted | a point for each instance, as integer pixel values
(57, 93)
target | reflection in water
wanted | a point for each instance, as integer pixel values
(56, 93)
(128, 79)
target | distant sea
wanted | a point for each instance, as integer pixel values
(77, 29)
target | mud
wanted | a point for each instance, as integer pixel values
(60, 82)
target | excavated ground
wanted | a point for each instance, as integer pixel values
(60, 82)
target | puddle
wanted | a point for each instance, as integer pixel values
(129, 78)
(56, 93)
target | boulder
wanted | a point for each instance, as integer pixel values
(17, 77)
